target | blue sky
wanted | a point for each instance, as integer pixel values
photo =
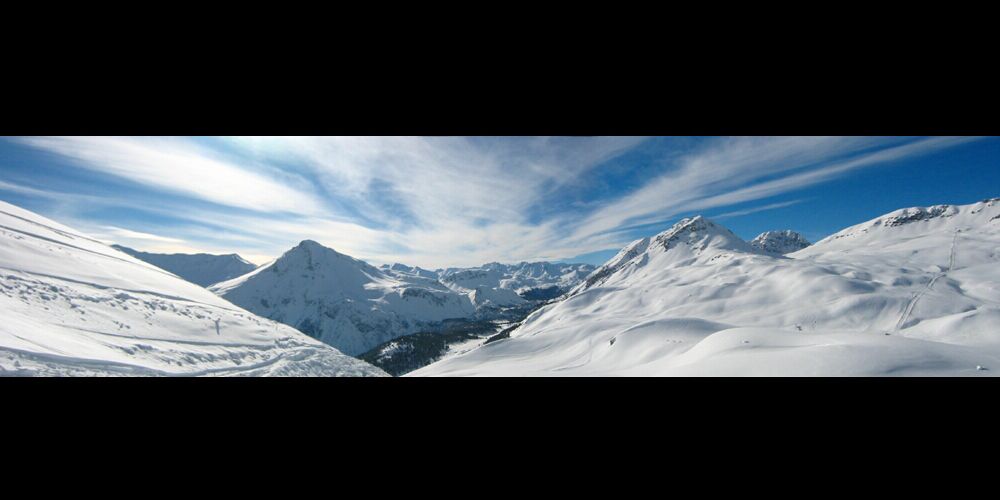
(464, 201)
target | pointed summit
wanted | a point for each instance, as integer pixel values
(700, 234)
(686, 242)
(311, 246)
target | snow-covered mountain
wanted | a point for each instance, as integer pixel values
(343, 301)
(355, 306)
(201, 269)
(72, 306)
(915, 292)
(779, 242)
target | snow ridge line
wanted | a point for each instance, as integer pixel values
(50, 228)
(74, 247)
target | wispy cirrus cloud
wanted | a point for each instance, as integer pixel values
(436, 181)
(441, 201)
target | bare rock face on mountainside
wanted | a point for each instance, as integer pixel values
(201, 269)
(914, 292)
(72, 306)
(779, 242)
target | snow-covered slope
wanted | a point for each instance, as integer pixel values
(72, 306)
(915, 292)
(779, 242)
(201, 269)
(343, 301)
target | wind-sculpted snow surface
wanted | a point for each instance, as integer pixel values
(73, 306)
(200, 269)
(915, 292)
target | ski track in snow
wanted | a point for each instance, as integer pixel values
(72, 364)
(908, 310)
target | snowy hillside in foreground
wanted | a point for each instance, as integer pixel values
(355, 306)
(915, 292)
(201, 269)
(779, 242)
(72, 306)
